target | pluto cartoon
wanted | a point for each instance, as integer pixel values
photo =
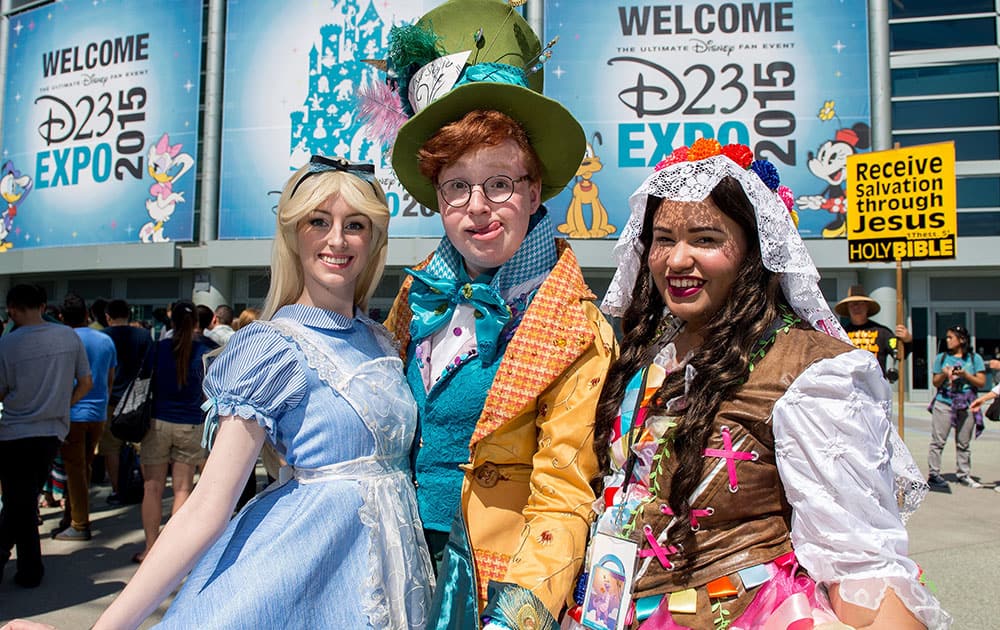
(166, 165)
(585, 193)
(14, 187)
(829, 164)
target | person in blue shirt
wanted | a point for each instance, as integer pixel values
(174, 436)
(87, 418)
(337, 542)
(958, 374)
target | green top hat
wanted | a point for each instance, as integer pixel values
(496, 76)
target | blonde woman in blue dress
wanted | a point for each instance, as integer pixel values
(337, 542)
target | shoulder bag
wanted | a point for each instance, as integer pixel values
(130, 482)
(993, 411)
(132, 416)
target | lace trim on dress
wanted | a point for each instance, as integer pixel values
(851, 482)
(911, 487)
(400, 566)
(376, 389)
(226, 405)
(230, 406)
(781, 247)
(869, 592)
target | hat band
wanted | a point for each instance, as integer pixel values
(432, 82)
(494, 73)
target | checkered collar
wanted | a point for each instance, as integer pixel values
(536, 255)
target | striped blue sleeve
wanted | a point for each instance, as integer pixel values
(257, 377)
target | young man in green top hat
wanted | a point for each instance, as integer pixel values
(505, 352)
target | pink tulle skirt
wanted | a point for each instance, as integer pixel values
(788, 601)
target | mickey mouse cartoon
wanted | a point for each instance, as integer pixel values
(830, 165)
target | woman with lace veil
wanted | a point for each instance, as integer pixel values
(336, 542)
(754, 478)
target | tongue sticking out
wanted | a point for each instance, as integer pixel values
(489, 230)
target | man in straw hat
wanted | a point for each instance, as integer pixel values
(869, 335)
(505, 352)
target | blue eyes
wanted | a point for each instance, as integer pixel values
(349, 226)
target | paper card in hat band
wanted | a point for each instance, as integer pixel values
(436, 79)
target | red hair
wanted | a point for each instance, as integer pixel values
(478, 128)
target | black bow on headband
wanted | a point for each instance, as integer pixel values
(322, 164)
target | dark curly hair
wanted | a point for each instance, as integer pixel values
(721, 361)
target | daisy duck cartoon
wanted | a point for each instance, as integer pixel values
(166, 165)
(14, 187)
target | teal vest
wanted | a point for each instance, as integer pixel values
(447, 417)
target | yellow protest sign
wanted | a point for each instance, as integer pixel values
(901, 204)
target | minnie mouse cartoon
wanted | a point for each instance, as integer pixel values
(830, 165)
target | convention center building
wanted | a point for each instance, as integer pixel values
(143, 143)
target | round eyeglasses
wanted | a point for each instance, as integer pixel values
(498, 189)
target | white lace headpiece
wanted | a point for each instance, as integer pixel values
(781, 247)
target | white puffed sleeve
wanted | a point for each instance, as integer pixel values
(841, 462)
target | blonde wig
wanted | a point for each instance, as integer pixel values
(287, 282)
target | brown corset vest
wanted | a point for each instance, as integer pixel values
(749, 524)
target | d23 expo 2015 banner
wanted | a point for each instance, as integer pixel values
(293, 70)
(100, 123)
(788, 79)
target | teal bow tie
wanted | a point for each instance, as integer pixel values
(433, 301)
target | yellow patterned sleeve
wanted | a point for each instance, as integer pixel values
(560, 506)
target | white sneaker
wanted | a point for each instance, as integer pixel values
(970, 482)
(996, 488)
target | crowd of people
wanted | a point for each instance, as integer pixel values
(493, 456)
(64, 369)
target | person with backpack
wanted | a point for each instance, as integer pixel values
(958, 374)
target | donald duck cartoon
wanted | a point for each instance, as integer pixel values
(14, 187)
(166, 165)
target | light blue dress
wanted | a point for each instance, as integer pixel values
(339, 544)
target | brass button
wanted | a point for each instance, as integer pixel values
(487, 475)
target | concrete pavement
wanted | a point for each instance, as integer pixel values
(954, 536)
(81, 578)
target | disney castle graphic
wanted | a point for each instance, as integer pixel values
(328, 123)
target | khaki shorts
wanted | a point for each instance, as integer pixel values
(167, 442)
(109, 445)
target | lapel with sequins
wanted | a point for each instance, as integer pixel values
(555, 331)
